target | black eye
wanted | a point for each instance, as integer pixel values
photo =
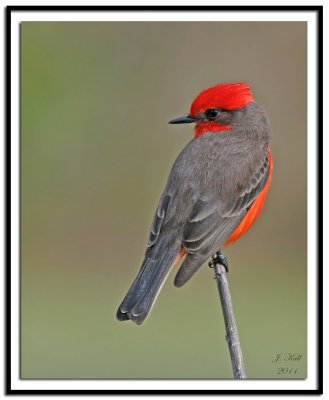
(212, 114)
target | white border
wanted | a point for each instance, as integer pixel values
(309, 383)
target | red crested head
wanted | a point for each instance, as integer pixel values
(215, 109)
(228, 96)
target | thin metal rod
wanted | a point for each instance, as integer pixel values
(232, 336)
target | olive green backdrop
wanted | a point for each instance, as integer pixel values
(96, 151)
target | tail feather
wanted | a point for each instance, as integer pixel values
(153, 273)
(191, 264)
(137, 289)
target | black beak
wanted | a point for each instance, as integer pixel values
(185, 119)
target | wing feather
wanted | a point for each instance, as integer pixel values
(213, 220)
(158, 219)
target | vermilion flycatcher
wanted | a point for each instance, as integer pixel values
(215, 191)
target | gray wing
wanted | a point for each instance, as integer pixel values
(158, 219)
(214, 218)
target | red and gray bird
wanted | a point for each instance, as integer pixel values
(215, 191)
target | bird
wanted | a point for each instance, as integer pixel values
(215, 191)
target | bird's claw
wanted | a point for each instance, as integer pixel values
(219, 258)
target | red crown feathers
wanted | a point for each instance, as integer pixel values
(229, 96)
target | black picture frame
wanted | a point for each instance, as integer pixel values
(10, 10)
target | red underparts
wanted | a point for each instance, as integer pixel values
(254, 211)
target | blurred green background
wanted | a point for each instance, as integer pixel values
(96, 151)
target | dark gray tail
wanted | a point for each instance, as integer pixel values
(142, 293)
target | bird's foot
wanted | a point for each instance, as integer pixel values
(219, 258)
